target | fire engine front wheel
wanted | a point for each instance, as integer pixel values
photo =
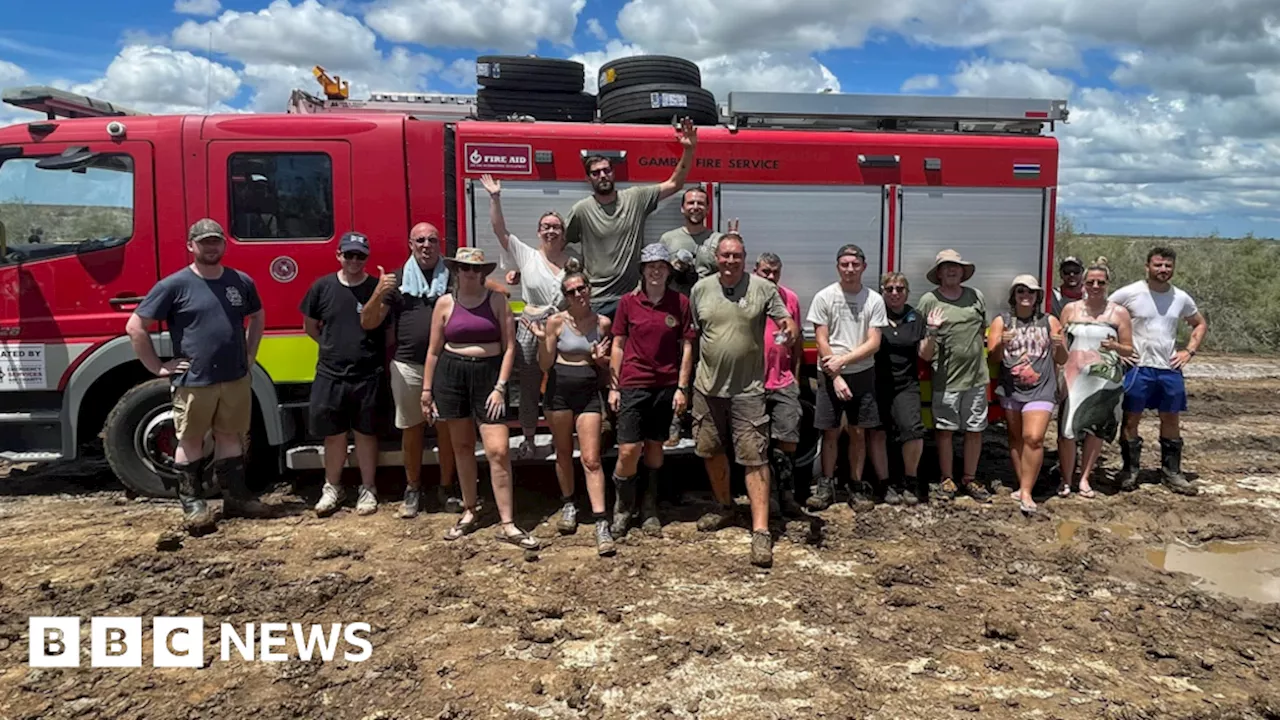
(140, 441)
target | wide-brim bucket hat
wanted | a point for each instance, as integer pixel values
(470, 256)
(949, 256)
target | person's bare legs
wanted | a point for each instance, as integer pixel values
(1092, 451)
(462, 437)
(1013, 430)
(1067, 465)
(589, 447)
(561, 422)
(1034, 426)
(758, 493)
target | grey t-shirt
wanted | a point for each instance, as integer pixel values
(612, 236)
(205, 319)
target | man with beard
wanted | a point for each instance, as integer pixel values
(205, 306)
(693, 245)
(1072, 288)
(1155, 382)
(610, 223)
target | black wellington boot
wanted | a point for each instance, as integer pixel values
(624, 506)
(1131, 459)
(196, 518)
(236, 500)
(1171, 468)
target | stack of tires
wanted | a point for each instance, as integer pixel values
(513, 86)
(654, 89)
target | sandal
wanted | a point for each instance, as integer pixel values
(1087, 493)
(1064, 490)
(461, 529)
(1028, 510)
(521, 539)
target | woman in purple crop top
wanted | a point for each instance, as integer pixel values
(464, 383)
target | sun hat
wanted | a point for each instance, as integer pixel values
(949, 256)
(655, 252)
(470, 256)
(1028, 281)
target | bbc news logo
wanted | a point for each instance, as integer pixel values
(178, 642)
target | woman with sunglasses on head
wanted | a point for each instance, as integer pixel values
(1099, 334)
(1029, 346)
(574, 351)
(541, 271)
(898, 389)
(464, 383)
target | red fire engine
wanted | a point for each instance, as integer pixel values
(95, 202)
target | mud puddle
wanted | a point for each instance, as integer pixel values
(1067, 530)
(1242, 570)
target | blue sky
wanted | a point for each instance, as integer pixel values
(1175, 103)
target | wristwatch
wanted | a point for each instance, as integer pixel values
(684, 390)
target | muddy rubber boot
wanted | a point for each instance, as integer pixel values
(1131, 457)
(624, 505)
(761, 549)
(784, 479)
(821, 494)
(909, 491)
(236, 499)
(196, 518)
(651, 526)
(1171, 468)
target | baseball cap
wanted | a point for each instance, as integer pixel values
(205, 228)
(354, 242)
(1071, 260)
(851, 249)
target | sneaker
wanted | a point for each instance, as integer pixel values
(718, 519)
(821, 495)
(568, 524)
(974, 489)
(946, 490)
(604, 539)
(910, 491)
(410, 508)
(761, 549)
(526, 450)
(330, 498)
(862, 496)
(367, 502)
(892, 496)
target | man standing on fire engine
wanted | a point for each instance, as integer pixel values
(729, 313)
(344, 394)
(205, 306)
(610, 223)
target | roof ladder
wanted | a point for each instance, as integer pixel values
(56, 103)
(894, 112)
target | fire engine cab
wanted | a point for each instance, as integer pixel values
(96, 199)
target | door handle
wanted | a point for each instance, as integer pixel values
(120, 302)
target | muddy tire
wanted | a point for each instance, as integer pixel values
(562, 107)
(516, 72)
(659, 103)
(139, 440)
(647, 70)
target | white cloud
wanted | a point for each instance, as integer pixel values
(272, 83)
(160, 79)
(505, 25)
(11, 74)
(597, 30)
(916, 83)
(1008, 79)
(461, 73)
(207, 8)
(305, 34)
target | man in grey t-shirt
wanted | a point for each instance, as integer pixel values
(692, 245)
(610, 223)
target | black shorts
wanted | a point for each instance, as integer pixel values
(645, 414)
(785, 412)
(573, 387)
(861, 409)
(900, 414)
(462, 386)
(342, 404)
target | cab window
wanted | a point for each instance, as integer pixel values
(64, 204)
(281, 196)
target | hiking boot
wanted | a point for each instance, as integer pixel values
(783, 466)
(408, 511)
(651, 526)
(236, 500)
(945, 490)
(821, 494)
(974, 489)
(909, 490)
(624, 505)
(1131, 459)
(673, 433)
(861, 495)
(449, 502)
(604, 539)
(761, 549)
(330, 498)
(196, 518)
(1171, 468)
(526, 450)
(568, 523)
(718, 519)
(366, 502)
(892, 494)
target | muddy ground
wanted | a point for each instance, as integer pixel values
(935, 611)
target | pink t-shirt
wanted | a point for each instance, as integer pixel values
(777, 358)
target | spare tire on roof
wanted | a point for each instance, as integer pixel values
(516, 72)
(647, 70)
(658, 103)
(494, 104)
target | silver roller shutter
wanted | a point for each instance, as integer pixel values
(1001, 231)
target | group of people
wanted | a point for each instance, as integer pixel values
(633, 336)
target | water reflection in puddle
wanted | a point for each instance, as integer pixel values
(1242, 570)
(1067, 530)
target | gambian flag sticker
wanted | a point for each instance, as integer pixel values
(1026, 170)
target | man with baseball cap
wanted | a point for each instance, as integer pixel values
(955, 323)
(344, 393)
(206, 306)
(1072, 287)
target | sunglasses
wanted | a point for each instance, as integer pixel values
(351, 255)
(893, 289)
(424, 240)
(1071, 272)
(1025, 291)
(579, 290)
(471, 269)
(1096, 283)
(601, 172)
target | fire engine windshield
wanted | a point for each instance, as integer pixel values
(64, 208)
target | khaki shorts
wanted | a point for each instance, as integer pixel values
(740, 421)
(960, 410)
(785, 412)
(406, 390)
(225, 408)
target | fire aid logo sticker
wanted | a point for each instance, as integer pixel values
(284, 269)
(492, 157)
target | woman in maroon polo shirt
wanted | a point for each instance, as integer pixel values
(650, 370)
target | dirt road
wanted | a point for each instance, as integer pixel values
(937, 611)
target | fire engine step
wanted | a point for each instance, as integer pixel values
(311, 457)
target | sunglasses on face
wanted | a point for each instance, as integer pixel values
(893, 289)
(1025, 291)
(601, 172)
(1096, 283)
(579, 290)
(1070, 272)
(350, 255)
(471, 269)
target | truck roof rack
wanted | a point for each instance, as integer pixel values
(893, 112)
(56, 103)
(426, 106)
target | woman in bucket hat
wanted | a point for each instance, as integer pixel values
(955, 319)
(1029, 345)
(464, 383)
